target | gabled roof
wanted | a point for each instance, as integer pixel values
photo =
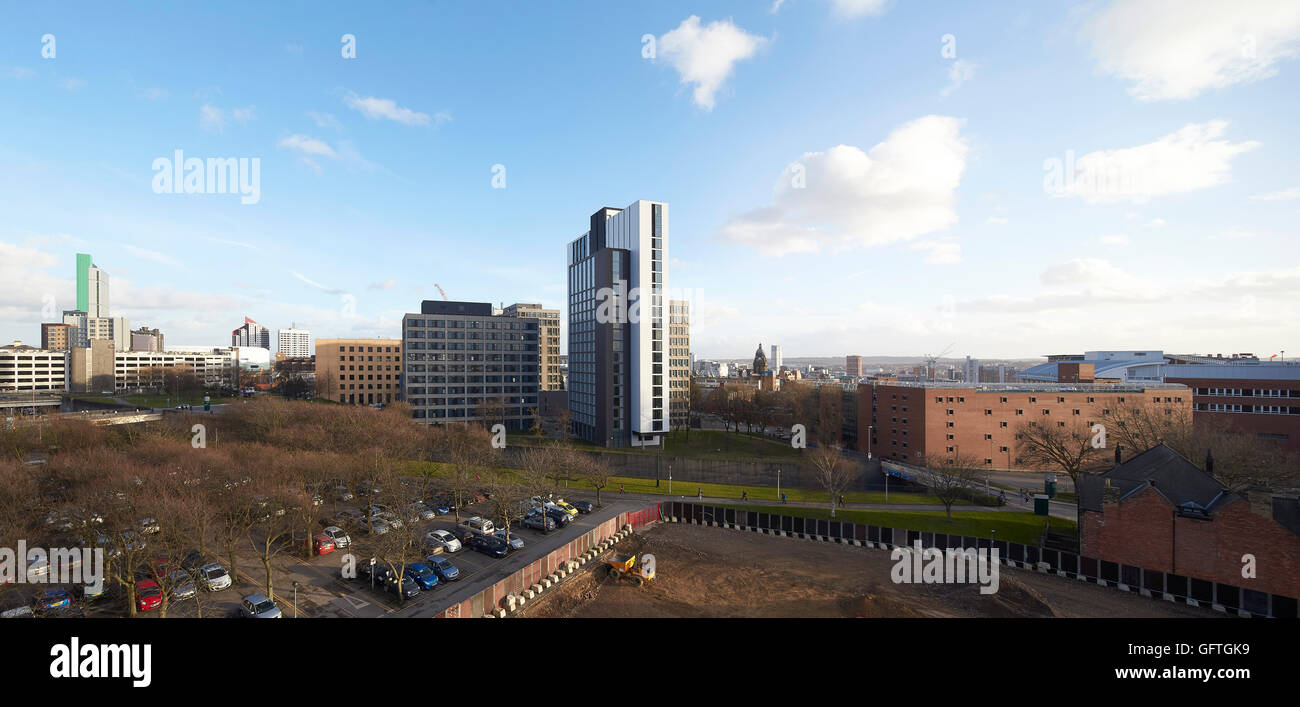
(1183, 483)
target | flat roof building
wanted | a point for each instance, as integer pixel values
(463, 363)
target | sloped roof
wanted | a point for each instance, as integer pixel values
(1175, 478)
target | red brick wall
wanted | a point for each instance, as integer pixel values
(1253, 423)
(926, 428)
(494, 596)
(1142, 531)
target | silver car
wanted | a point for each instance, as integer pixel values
(259, 606)
(338, 535)
(182, 585)
(443, 539)
(213, 577)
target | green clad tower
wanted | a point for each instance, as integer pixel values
(84, 264)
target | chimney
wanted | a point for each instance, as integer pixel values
(1109, 496)
(1261, 500)
(1117, 458)
(1209, 461)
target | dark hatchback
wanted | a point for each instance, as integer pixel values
(489, 546)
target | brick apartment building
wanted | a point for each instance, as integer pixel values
(1163, 514)
(359, 371)
(907, 421)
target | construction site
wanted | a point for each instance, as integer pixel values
(708, 572)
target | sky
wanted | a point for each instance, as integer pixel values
(886, 177)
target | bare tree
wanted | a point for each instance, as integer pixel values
(951, 479)
(833, 471)
(1069, 448)
(596, 473)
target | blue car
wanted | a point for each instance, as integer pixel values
(442, 567)
(489, 546)
(423, 576)
(53, 598)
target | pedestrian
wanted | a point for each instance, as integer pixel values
(744, 495)
(841, 499)
(620, 488)
(783, 497)
(1002, 498)
(700, 493)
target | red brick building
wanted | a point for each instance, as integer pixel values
(907, 421)
(1162, 513)
(1262, 399)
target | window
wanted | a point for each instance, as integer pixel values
(1002, 424)
(988, 411)
(1020, 411)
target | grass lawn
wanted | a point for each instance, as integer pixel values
(684, 487)
(1024, 528)
(698, 444)
(161, 401)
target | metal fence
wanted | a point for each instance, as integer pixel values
(1151, 583)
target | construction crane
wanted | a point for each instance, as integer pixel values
(931, 360)
(444, 294)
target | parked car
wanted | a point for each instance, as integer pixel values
(423, 576)
(537, 521)
(149, 526)
(338, 535)
(350, 518)
(489, 545)
(443, 539)
(148, 595)
(385, 579)
(259, 606)
(515, 542)
(560, 517)
(376, 526)
(566, 507)
(213, 577)
(341, 493)
(182, 584)
(52, 598)
(193, 560)
(476, 525)
(441, 566)
(322, 544)
(438, 506)
(422, 511)
(584, 506)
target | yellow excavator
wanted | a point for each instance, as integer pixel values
(621, 566)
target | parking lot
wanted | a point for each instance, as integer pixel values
(323, 591)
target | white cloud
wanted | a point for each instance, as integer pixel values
(151, 255)
(997, 221)
(903, 188)
(384, 285)
(387, 109)
(325, 120)
(1086, 271)
(20, 72)
(317, 285)
(1292, 193)
(72, 84)
(859, 8)
(959, 72)
(940, 252)
(1118, 239)
(704, 56)
(1187, 160)
(307, 145)
(1177, 49)
(212, 118)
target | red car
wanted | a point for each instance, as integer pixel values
(148, 595)
(323, 544)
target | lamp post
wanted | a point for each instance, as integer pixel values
(295, 597)
(778, 484)
(869, 429)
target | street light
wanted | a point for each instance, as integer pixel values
(778, 484)
(295, 597)
(869, 429)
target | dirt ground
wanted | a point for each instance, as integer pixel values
(711, 572)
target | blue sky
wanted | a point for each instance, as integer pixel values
(844, 176)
